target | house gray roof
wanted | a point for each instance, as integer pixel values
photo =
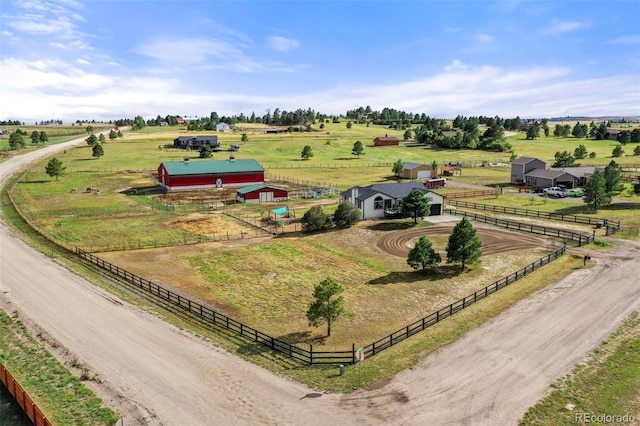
(524, 160)
(546, 173)
(410, 166)
(206, 167)
(393, 190)
(196, 138)
(579, 171)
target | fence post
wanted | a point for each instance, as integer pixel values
(310, 354)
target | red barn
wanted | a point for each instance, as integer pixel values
(204, 174)
(386, 141)
(261, 193)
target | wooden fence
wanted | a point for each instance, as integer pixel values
(611, 226)
(469, 194)
(435, 317)
(209, 316)
(580, 239)
(23, 399)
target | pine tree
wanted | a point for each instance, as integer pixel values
(464, 245)
(423, 255)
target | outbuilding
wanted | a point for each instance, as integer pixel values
(386, 141)
(261, 193)
(205, 174)
(417, 171)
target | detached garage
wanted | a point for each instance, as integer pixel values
(205, 174)
(261, 193)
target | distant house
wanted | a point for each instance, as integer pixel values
(386, 141)
(379, 200)
(613, 134)
(180, 121)
(195, 142)
(223, 127)
(451, 171)
(543, 178)
(522, 166)
(261, 193)
(164, 124)
(205, 174)
(416, 171)
(448, 133)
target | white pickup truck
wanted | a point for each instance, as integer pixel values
(555, 191)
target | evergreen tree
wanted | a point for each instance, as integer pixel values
(97, 150)
(398, 168)
(416, 203)
(595, 192)
(580, 152)
(315, 219)
(306, 152)
(617, 151)
(327, 304)
(613, 177)
(358, 149)
(43, 137)
(206, 151)
(346, 214)
(464, 245)
(55, 168)
(564, 159)
(423, 255)
(15, 140)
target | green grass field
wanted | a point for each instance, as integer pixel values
(63, 398)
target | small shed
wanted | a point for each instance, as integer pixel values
(223, 127)
(451, 171)
(261, 193)
(386, 141)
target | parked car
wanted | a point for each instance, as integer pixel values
(575, 193)
(555, 191)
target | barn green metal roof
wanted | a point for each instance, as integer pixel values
(255, 187)
(203, 167)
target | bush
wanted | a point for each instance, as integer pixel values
(315, 219)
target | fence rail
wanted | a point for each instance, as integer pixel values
(580, 239)
(611, 227)
(310, 356)
(23, 399)
(435, 317)
(468, 194)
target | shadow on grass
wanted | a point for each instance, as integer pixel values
(34, 181)
(435, 274)
(393, 226)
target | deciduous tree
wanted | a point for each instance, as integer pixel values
(206, 151)
(423, 255)
(327, 305)
(464, 245)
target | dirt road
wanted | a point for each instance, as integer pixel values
(156, 374)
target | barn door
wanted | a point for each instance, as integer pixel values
(219, 183)
(266, 197)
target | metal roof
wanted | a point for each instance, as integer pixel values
(205, 167)
(257, 186)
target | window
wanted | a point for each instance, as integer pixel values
(387, 203)
(378, 203)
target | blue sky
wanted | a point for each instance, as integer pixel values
(69, 60)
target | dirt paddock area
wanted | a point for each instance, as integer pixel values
(494, 240)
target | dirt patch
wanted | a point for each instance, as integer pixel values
(493, 240)
(211, 223)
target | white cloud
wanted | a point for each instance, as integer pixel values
(36, 90)
(630, 39)
(82, 61)
(484, 38)
(281, 44)
(560, 27)
(457, 64)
